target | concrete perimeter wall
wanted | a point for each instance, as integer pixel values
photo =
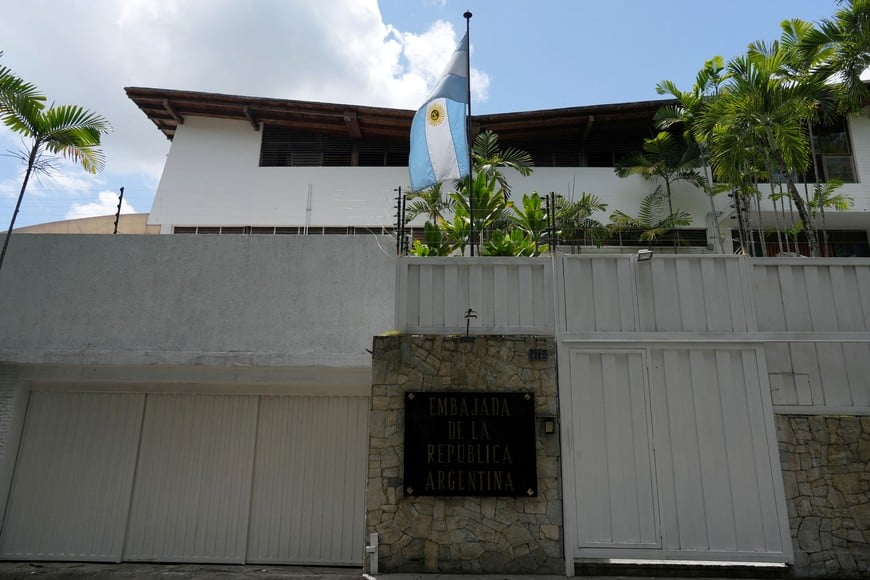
(261, 300)
(237, 314)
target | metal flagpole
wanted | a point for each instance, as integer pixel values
(468, 138)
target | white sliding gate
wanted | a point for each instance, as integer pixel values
(189, 478)
(669, 450)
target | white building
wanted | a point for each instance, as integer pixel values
(245, 164)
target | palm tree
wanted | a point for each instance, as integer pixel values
(429, 202)
(688, 112)
(667, 158)
(489, 157)
(12, 88)
(486, 208)
(761, 110)
(651, 221)
(67, 130)
(574, 221)
(847, 38)
(825, 196)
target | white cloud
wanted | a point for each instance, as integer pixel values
(338, 51)
(107, 204)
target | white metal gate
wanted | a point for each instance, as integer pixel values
(612, 444)
(669, 448)
(193, 479)
(669, 455)
(189, 478)
(71, 488)
(310, 469)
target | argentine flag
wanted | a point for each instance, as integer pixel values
(439, 145)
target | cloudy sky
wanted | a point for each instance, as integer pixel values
(525, 55)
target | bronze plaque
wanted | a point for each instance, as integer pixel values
(480, 444)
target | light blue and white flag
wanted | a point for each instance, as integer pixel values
(439, 143)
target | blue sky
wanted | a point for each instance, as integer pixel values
(525, 56)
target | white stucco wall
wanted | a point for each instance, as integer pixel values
(212, 177)
(286, 300)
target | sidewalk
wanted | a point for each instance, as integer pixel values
(131, 571)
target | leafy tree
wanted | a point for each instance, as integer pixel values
(512, 243)
(458, 231)
(533, 220)
(66, 130)
(652, 220)
(434, 243)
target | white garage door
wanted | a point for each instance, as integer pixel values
(308, 501)
(193, 479)
(189, 478)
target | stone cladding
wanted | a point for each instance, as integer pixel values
(826, 472)
(492, 535)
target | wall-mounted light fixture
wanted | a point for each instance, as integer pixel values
(644, 255)
(549, 425)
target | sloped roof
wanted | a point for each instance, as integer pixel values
(168, 108)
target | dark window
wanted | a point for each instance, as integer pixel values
(833, 154)
(603, 158)
(285, 147)
(282, 147)
(384, 153)
(833, 243)
(688, 237)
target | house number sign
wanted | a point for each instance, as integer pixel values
(473, 444)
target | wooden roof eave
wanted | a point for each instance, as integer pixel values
(168, 108)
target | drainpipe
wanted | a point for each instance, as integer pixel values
(308, 211)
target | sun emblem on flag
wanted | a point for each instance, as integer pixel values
(436, 114)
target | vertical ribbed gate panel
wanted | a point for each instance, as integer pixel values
(193, 479)
(71, 488)
(307, 505)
